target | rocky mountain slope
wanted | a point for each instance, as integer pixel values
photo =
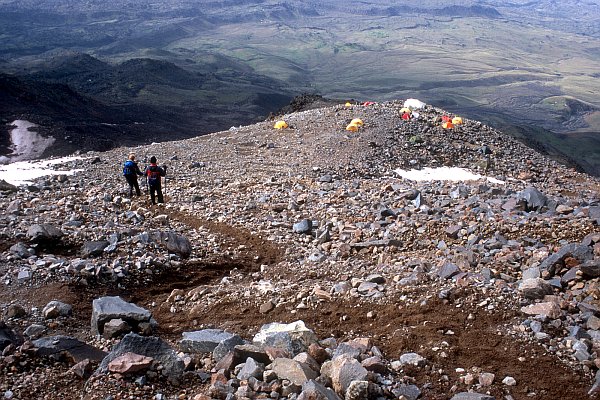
(402, 289)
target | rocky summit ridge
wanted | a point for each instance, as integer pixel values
(297, 264)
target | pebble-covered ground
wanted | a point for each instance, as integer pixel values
(433, 288)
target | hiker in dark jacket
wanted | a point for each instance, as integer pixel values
(154, 173)
(131, 172)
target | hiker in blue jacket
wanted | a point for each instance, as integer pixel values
(131, 172)
(154, 173)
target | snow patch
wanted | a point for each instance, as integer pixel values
(444, 174)
(27, 144)
(24, 172)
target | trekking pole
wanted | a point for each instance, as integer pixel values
(165, 168)
(146, 179)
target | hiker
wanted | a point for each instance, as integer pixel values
(154, 172)
(131, 172)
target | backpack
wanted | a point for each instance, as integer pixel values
(153, 174)
(129, 168)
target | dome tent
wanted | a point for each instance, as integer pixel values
(280, 125)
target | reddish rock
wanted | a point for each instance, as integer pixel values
(129, 363)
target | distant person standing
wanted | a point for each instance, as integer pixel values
(154, 173)
(131, 172)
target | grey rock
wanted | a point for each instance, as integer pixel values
(299, 335)
(531, 273)
(344, 348)
(206, 340)
(412, 359)
(410, 392)
(173, 242)
(34, 331)
(149, 346)
(296, 372)
(94, 249)
(56, 309)
(251, 369)
(7, 187)
(15, 311)
(225, 346)
(115, 328)
(58, 347)
(591, 268)
(21, 250)
(357, 390)
(596, 386)
(535, 288)
(313, 390)
(453, 231)
(304, 226)
(532, 199)
(377, 243)
(448, 270)
(342, 371)
(113, 307)
(44, 233)
(472, 396)
(24, 275)
(8, 336)
(582, 253)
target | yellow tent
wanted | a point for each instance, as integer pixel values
(348, 104)
(447, 125)
(357, 121)
(405, 110)
(352, 128)
(457, 120)
(280, 125)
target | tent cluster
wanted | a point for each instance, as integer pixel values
(354, 125)
(449, 123)
(407, 111)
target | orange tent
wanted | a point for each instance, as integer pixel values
(447, 125)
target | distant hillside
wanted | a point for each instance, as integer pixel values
(87, 104)
(529, 66)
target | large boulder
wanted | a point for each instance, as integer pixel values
(342, 371)
(107, 308)
(94, 248)
(296, 372)
(207, 340)
(8, 336)
(44, 233)
(59, 347)
(173, 242)
(148, 346)
(581, 252)
(294, 337)
(7, 187)
(313, 390)
(532, 199)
